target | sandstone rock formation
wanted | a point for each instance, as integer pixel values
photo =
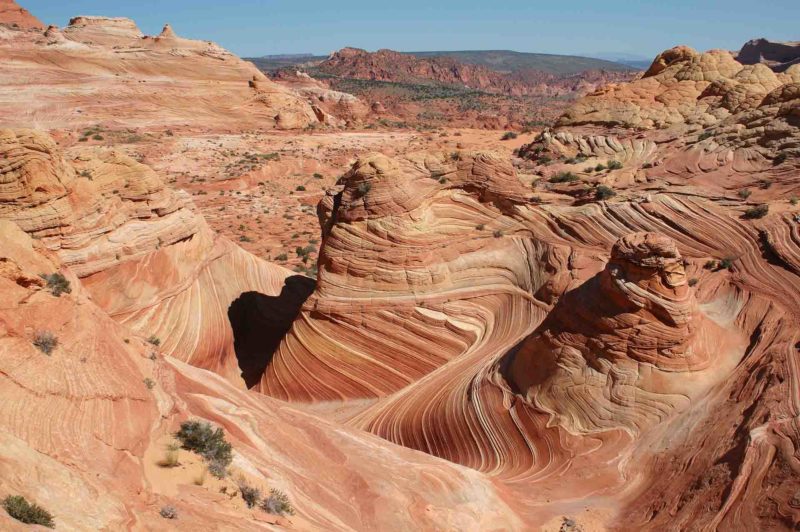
(15, 16)
(779, 56)
(101, 69)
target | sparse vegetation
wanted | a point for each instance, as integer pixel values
(705, 135)
(363, 188)
(283, 257)
(171, 456)
(564, 177)
(277, 503)
(577, 159)
(508, 135)
(57, 283)
(599, 167)
(725, 264)
(20, 509)
(317, 175)
(480, 227)
(692, 281)
(45, 341)
(604, 192)
(154, 340)
(168, 512)
(250, 494)
(744, 193)
(779, 159)
(614, 165)
(759, 211)
(149, 383)
(300, 188)
(209, 442)
(497, 233)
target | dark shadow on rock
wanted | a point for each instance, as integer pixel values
(259, 323)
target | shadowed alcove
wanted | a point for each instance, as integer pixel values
(259, 322)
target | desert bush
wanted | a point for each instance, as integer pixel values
(564, 177)
(245, 238)
(780, 158)
(57, 283)
(168, 512)
(150, 383)
(705, 135)
(604, 192)
(599, 167)
(793, 200)
(725, 264)
(363, 188)
(317, 175)
(508, 135)
(577, 159)
(209, 442)
(300, 188)
(759, 211)
(218, 468)
(480, 227)
(744, 193)
(20, 509)
(154, 340)
(277, 503)
(455, 156)
(170, 456)
(497, 234)
(614, 165)
(250, 494)
(45, 341)
(710, 265)
(282, 257)
(692, 281)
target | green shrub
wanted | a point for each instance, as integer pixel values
(97, 137)
(577, 159)
(725, 264)
(202, 438)
(282, 257)
(32, 514)
(705, 135)
(277, 503)
(604, 192)
(564, 177)
(363, 188)
(45, 341)
(759, 211)
(168, 512)
(250, 494)
(154, 340)
(480, 227)
(614, 165)
(599, 168)
(497, 234)
(317, 175)
(508, 135)
(245, 238)
(744, 193)
(149, 383)
(710, 265)
(300, 188)
(692, 281)
(57, 283)
(780, 158)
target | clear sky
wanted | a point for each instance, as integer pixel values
(259, 27)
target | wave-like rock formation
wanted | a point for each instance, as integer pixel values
(100, 69)
(142, 252)
(82, 428)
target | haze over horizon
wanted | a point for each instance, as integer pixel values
(252, 28)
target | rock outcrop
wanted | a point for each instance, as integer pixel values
(105, 70)
(15, 16)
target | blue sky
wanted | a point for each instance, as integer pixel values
(642, 28)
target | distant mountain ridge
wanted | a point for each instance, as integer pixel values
(502, 61)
